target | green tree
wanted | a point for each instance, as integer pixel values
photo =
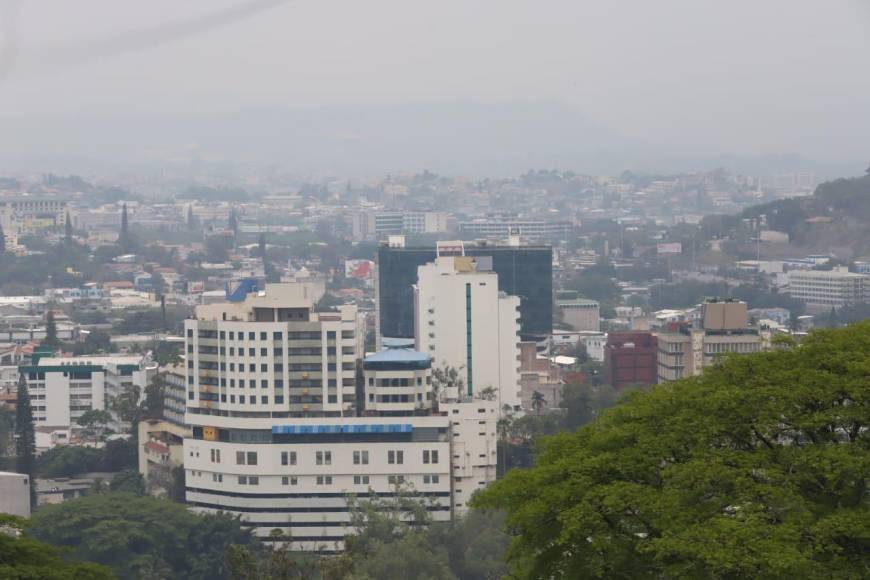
(446, 377)
(131, 533)
(595, 287)
(50, 340)
(538, 401)
(69, 460)
(94, 421)
(129, 481)
(25, 437)
(233, 223)
(758, 468)
(68, 229)
(22, 557)
(154, 393)
(261, 246)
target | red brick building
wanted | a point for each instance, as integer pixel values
(630, 359)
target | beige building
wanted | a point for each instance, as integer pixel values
(685, 351)
(828, 288)
(580, 314)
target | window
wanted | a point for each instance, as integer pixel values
(243, 480)
(217, 477)
(323, 458)
(279, 399)
(395, 457)
(360, 457)
(232, 335)
(360, 479)
(288, 458)
(324, 480)
(277, 335)
(264, 368)
(240, 457)
(288, 480)
(430, 479)
(396, 479)
(264, 400)
(215, 455)
(430, 456)
(253, 480)
(251, 352)
(252, 335)
(264, 384)
(252, 368)
(264, 352)
(249, 458)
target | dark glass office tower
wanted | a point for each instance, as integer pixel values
(524, 271)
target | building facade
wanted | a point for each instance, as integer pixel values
(499, 228)
(524, 271)
(580, 314)
(288, 463)
(630, 359)
(831, 288)
(15, 494)
(685, 350)
(463, 321)
(62, 389)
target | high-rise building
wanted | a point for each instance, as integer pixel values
(523, 271)
(463, 321)
(279, 437)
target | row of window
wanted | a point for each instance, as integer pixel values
(360, 457)
(325, 479)
(277, 335)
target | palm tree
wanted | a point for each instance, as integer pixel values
(538, 401)
(443, 378)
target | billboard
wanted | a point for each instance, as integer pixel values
(359, 269)
(670, 248)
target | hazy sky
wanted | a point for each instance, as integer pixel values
(736, 76)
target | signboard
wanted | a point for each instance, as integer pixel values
(195, 287)
(451, 248)
(670, 248)
(359, 269)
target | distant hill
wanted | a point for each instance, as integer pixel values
(836, 218)
(450, 138)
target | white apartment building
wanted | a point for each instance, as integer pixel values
(62, 389)
(289, 460)
(831, 288)
(398, 381)
(473, 429)
(463, 321)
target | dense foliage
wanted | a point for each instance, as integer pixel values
(756, 469)
(71, 460)
(22, 557)
(140, 536)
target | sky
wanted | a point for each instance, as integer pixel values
(740, 77)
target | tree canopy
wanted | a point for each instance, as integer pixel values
(140, 536)
(758, 469)
(22, 557)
